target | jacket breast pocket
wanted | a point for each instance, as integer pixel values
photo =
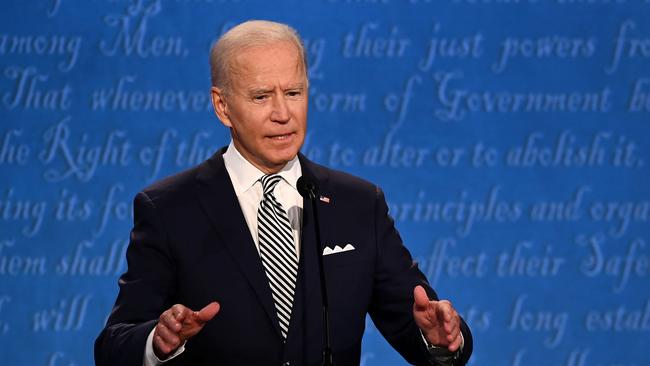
(344, 259)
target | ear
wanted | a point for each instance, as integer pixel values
(220, 106)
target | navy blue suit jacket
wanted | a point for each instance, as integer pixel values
(190, 245)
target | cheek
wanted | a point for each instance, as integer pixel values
(250, 126)
(300, 113)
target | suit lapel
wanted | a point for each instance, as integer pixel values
(218, 199)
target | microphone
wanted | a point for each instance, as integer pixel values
(308, 189)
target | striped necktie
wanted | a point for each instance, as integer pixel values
(277, 251)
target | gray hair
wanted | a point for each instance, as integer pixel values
(248, 34)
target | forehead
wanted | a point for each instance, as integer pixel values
(271, 63)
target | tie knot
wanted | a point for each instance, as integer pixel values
(269, 182)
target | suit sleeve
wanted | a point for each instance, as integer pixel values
(145, 290)
(392, 303)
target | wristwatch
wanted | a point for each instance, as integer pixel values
(441, 354)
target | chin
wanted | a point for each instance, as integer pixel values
(285, 153)
(282, 157)
(286, 156)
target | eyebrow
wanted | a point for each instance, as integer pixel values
(259, 91)
(255, 91)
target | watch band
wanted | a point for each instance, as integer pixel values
(441, 354)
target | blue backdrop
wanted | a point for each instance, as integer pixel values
(510, 137)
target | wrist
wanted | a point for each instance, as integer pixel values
(440, 352)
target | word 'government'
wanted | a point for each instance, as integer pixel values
(458, 102)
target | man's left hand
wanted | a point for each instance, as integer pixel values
(438, 320)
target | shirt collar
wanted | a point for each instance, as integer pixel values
(244, 175)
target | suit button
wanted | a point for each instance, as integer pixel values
(287, 363)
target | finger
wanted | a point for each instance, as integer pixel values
(452, 324)
(421, 299)
(169, 320)
(455, 345)
(161, 348)
(445, 311)
(167, 335)
(180, 312)
(453, 334)
(208, 312)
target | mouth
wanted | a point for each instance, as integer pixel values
(282, 137)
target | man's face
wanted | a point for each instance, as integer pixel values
(266, 106)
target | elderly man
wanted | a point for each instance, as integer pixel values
(223, 266)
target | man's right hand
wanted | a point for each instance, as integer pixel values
(178, 324)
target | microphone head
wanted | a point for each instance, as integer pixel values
(307, 187)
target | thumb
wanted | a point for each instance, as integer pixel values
(208, 312)
(421, 298)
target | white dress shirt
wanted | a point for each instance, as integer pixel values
(245, 178)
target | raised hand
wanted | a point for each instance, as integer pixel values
(438, 320)
(178, 324)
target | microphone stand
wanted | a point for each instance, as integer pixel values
(327, 350)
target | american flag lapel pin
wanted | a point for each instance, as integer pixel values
(325, 199)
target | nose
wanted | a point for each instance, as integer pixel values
(280, 112)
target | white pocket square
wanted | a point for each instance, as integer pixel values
(337, 249)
